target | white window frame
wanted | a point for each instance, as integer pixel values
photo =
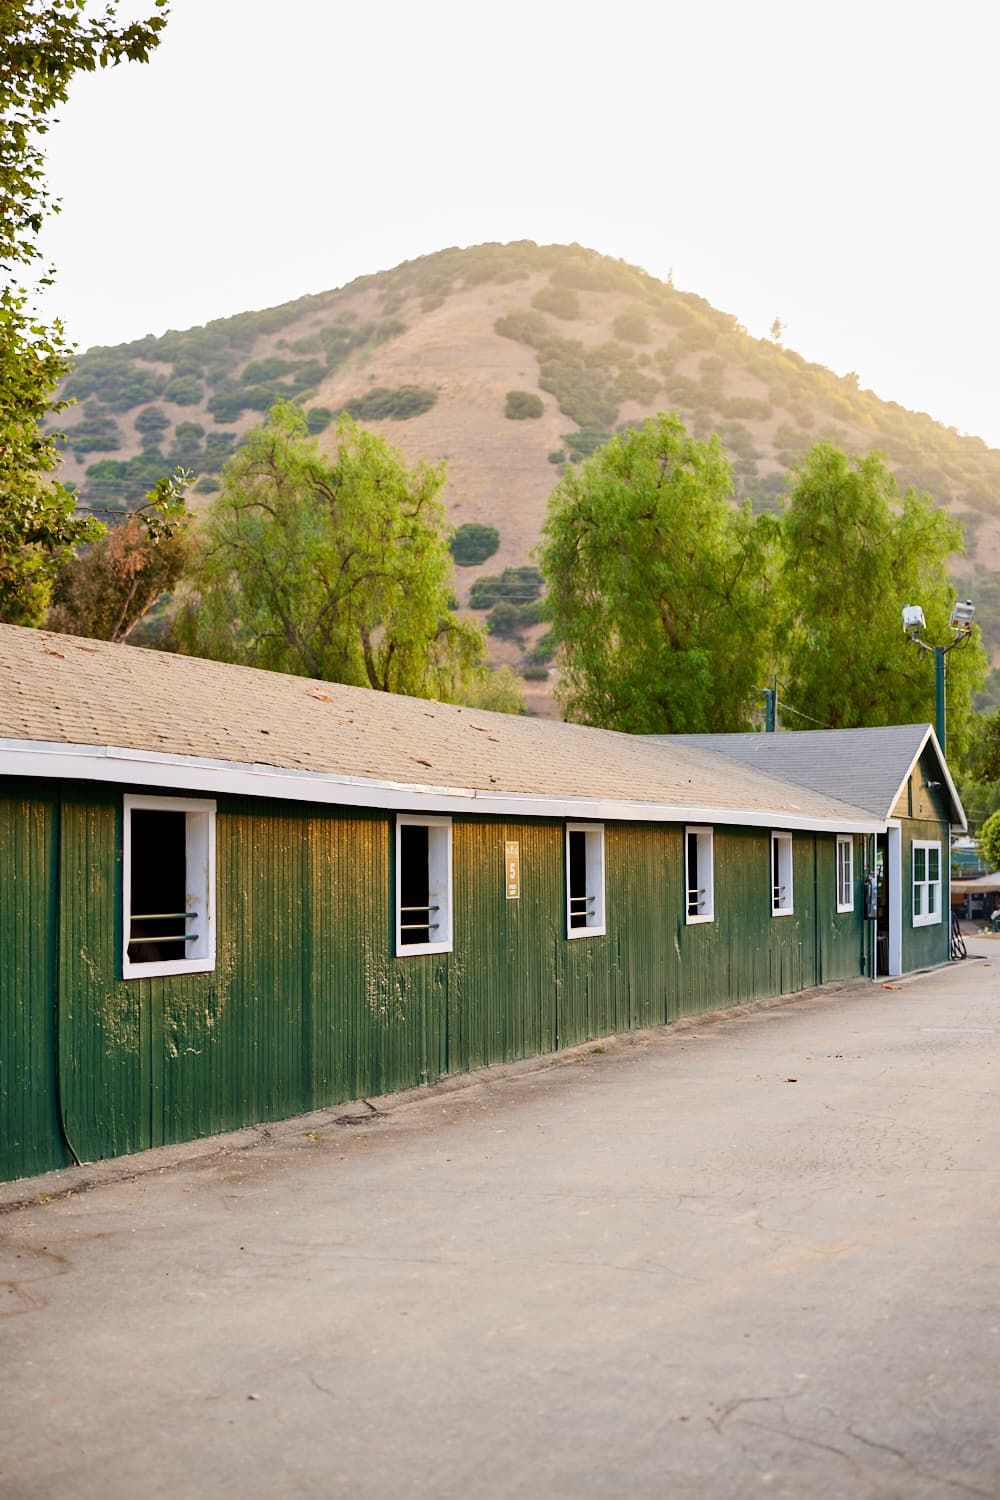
(706, 873)
(782, 843)
(845, 872)
(439, 883)
(199, 878)
(594, 847)
(926, 893)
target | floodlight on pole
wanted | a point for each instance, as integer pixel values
(960, 625)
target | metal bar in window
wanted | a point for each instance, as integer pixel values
(191, 937)
(420, 908)
(419, 926)
(163, 916)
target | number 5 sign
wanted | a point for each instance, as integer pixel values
(512, 860)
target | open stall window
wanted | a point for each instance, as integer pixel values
(423, 885)
(699, 884)
(168, 886)
(781, 875)
(926, 882)
(584, 880)
(845, 872)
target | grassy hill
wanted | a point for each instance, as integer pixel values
(509, 361)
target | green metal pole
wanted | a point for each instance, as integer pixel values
(939, 712)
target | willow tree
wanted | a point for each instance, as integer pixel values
(854, 551)
(334, 567)
(44, 44)
(657, 586)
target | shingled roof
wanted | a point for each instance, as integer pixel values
(868, 767)
(89, 710)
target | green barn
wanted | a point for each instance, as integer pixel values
(229, 896)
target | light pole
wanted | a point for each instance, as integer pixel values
(961, 626)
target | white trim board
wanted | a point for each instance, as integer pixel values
(183, 773)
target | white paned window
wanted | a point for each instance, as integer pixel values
(781, 875)
(926, 882)
(845, 872)
(168, 886)
(699, 883)
(584, 880)
(423, 885)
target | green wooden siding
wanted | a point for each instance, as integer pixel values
(922, 812)
(308, 1006)
(30, 1140)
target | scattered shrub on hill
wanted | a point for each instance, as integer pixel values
(310, 372)
(588, 383)
(114, 379)
(738, 439)
(344, 335)
(633, 327)
(543, 650)
(683, 391)
(258, 371)
(589, 272)
(673, 312)
(120, 484)
(318, 419)
(557, 456)
(186, 450)
(96, 433)
(514, 585)
(561, 301)
(151, 423)
(523, 404)
(509, 621)
(397, 404)
(585, 442)
(219, 447)
(504, 620)
(632, 385)
(692, 337)
(184, 390)
(805, 418)
(791, 438)
(227, 405)
(473, 543)
(745, 408)
(524, 324)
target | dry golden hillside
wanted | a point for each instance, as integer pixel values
(427, 355)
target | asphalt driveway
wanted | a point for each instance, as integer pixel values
(754, 1254)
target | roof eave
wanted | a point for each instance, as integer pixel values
(131, 767)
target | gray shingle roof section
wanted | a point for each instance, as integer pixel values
(864, 766)
(62, 690)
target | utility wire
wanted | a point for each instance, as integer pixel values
(787, 707)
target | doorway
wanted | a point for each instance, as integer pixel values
(888, 909)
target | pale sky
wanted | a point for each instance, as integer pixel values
(831, 164)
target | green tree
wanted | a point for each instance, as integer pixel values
(656, 586)
(330, 566)
(989, 837)
(43, 44)
(854, 552)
